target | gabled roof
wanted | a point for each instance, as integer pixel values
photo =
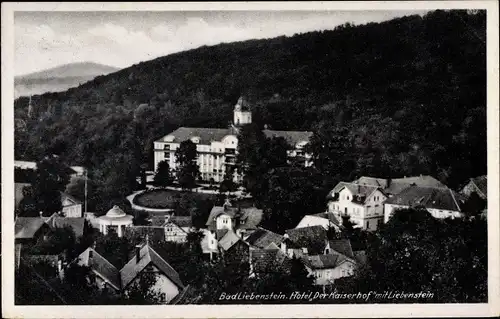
(69, 197)
(206, 135)
(159, 220)
(77, 224)
(428, 197)
(26, 227)
(342, 246)
(250, 218)
(261, 238)
(228, 240)
(292, 137)
(148, 256)
(267, 260)
(217, 211)
(313, 238)
(101, 266)
(481, 183)
(154, 233)
(324, 261)
(328, 215)
(219, 233)
(181, 221)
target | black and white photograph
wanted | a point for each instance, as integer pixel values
(250, 156)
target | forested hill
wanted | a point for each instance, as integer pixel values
(411, 93)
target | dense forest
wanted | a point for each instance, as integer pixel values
(402, 97)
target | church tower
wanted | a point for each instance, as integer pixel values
(242, 113)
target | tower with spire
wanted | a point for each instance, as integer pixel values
(242, 113)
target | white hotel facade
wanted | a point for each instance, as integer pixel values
(217, 147)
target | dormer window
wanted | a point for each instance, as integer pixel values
(169, 138)
(195, 139)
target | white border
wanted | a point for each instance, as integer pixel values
(241, 311)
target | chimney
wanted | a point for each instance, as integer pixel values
(137, 253)
(41, 214)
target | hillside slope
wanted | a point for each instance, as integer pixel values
(59, 78)
(411, 92)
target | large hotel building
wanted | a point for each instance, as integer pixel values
(217, 147)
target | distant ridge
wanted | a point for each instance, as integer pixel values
(71, 70)
(59, 78)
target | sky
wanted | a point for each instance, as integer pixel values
(46, 39)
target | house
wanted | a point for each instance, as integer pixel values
(265, 261)
(137, 233)
(56, 221)
(262, 238)
(393, 186)
(227, 217)
(362, 203)
(217, 147)
(107, 276)
(228, 240)
(479, 185)
(338, 260)
(233, 248)
(177, 228)
(147, 261)
(305, 241)
(327, 268)
(440, 202)
(74, 170)
(30, 230)
(71, 207)
(328, 220)
(209, 244)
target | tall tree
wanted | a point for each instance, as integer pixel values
(163, 175)
(188, 170)
(51, 178)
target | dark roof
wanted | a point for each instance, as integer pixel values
(342, 246)
(261, 238)
(397, 185)
(313, 238)
(148, 256)
(330, 216)
(181, 221)
(360, 192)
(219, 233)
(292, 137)
(77, 224)
(206, 135)
(324, 261)
(228, 240)
(101, 266)
(217, 211)
(154, 233)
(481, 183)
(428, 197)
(267, 260)
(26, 227)
(250, 218)
(159, 220)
